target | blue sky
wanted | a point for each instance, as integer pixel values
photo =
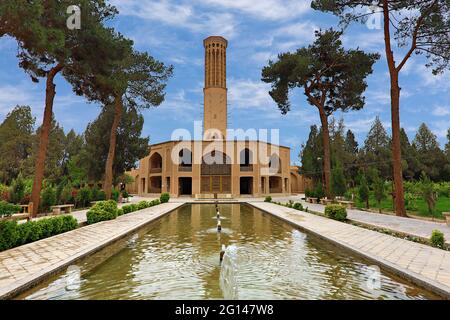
(172, 31)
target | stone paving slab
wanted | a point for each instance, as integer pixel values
(26, 265)
(411, 226)
(424, 265)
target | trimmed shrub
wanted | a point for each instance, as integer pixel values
(142, 205)
(437, 239)
(84, 197)
(336, 212)
(164, 197)
(13, 234)
(7, 209)
(268, 199)
(102, 211)
(155, 202)
(120, 212)
(125, 194)
(298, 206)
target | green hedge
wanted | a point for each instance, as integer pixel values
(7, 209)
(437, 239)
(165, 197)
(139, 206)
(13, 234)
(268, 199)
(336, 212)
(102, 211)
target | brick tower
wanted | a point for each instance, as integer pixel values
(215, 90)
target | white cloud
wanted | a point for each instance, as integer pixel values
(182, 15)
(245, 93)
(441, 111)
(265, 9)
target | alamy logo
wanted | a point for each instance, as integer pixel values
(73, 22)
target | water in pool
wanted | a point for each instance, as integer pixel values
(177, 257)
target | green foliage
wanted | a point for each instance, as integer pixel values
(338, 180)
(164, 197)
(379, 190)
(437, 239)
(4, 192)
(142, 205)
(120, 212)
(130, 145)
(48, 197)
(428, 192)
(318, 191)
(268, 199)
(16, 136)
(84, 197)
(336, 212)
(13, 234)
(125, 194)
(7, 209)
(115, 194)
(139, 206)
(102, 211)
(298, 206)
(363, 191)
(17, 192)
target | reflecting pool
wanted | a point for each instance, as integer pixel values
(178, 257)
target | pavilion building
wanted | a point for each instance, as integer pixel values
(215, 166)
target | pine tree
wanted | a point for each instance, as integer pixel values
(376, 150)
(431, 158)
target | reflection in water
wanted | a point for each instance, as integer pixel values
(178, 258)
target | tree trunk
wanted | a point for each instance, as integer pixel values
(395, 117)
(39, 168)
(112, 147)
(326, 152)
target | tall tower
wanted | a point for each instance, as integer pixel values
(215, 90)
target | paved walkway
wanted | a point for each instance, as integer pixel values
(424, 265)
(411, 226)
(26, 265)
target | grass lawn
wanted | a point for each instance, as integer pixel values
(442, 205)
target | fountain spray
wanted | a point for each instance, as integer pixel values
(219, 226)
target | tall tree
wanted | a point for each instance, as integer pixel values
(47, 47)
(130, 145)
(331, 77)
(351, 160)
(422, 26)
(16, 133)
(431, 158)
(138, 81)
(310, 155)
(375, 152)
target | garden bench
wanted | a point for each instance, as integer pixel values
(326, 201)
(313, 200)
(26, 211)
(347, 204)
(67, 208)
(447, 217)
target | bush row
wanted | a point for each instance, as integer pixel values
(139, 206)
(13, 234)
(108, 210)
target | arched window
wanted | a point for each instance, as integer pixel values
(246, 157)
(274, 164)
(155, 163)
(185, 157)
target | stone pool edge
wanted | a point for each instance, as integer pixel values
(20, 286)
(417, 279)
